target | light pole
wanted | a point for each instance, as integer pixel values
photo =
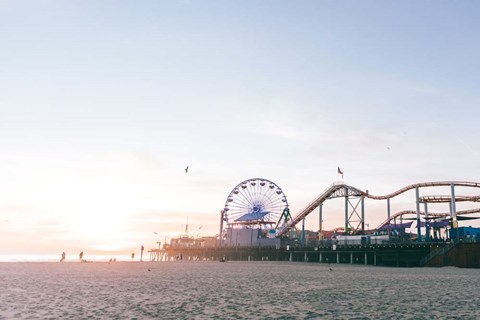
(158, 253)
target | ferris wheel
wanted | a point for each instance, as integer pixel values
(254, 203)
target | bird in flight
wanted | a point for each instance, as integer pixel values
(186, 169)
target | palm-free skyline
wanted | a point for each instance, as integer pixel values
(104, 104)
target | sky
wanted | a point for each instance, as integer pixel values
(104, 103)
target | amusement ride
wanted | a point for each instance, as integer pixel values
(259, 203)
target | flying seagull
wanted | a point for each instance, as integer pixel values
(186, 169)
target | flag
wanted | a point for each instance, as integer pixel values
(340, 172)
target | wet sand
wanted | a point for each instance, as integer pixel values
(235, 290)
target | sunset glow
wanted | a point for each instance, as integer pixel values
(103, 105)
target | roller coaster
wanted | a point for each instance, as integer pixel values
(340, 189)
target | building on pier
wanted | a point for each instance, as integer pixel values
(465, 233)
(190, 242)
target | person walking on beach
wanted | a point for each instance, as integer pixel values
(63, 257)
(81, 256)
(141, 253)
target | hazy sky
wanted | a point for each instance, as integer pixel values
(104, 103)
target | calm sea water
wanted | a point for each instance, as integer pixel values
(235, 290)
(69, 257)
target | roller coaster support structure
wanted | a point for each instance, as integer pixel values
(303, 233)
(427, 227)
(320, 220)
(417, 195)
(388, 216)
(352, 225)
(453, 209)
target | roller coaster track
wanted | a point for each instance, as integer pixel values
(426, 184)
(436, 215)
(339, 189)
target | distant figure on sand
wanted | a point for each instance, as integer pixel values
(81, 256)
(63, 257)
(133, 255)
(141, 253)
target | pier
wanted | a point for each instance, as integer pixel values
(464, 254)
(256, 225)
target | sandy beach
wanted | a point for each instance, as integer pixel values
(234, 290)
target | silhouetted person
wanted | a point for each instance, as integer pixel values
(141, 253)
(81, 256)
(63, 257)
(133, 255)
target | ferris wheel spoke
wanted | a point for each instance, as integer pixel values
(275, 203)
(236, 211)
(253, 191)
(246, 194)
(235, 201)
(235, 208)
(238, 207)
(242, 200)
(246, 202)
(269, 195)
(248, 191)
(235, 215)
(262, 196)
(242, 195)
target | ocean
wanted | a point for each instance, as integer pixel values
(235, 290)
